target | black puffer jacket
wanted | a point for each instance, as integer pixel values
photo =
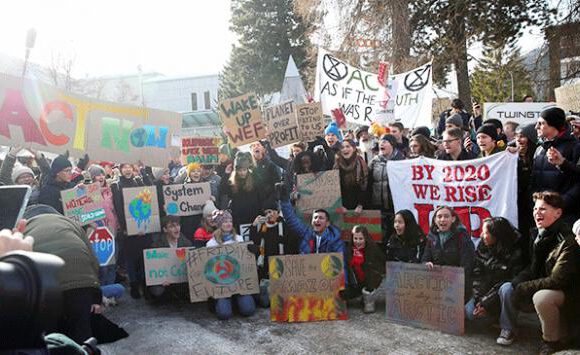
(50, 193)
(398, 250)
(493, 267)
(564, 179)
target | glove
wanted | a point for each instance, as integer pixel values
(282, 192)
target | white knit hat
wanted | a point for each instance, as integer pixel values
(20, 170)
(208, 208)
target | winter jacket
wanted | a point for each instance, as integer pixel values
(161, 242)
(213, 243)
(458, 250)
(378, 190)
(245, 205)
(398, 250)
(555, 266)
(373, 267)
(50, 193)
(464, 155)
(57, 235)
(330, 241)
(564, 179)
(6, 178)
(491, 269)
(117, 189)
(353, 194)
(266, 174)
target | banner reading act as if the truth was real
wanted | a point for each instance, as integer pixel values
(476, 189)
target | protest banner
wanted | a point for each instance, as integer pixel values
(432, 299)
(305, 288)
(310, 121)
(371, 219)
(39, 116)
(319, 190)
(475, 189)
(282, 124)
(83, 204)
(520, 112)
(203, 150)
(242, 120)
(220, 272)
(165, 265)
(103, 243)
(141, 210)
(407, 97)
(186, 199)
(568, 97)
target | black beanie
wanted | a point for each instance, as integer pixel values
(555, 117)
(528, 131)
(490, 130)
(424, 131)
(495, 122)
(59, 164)
(390, 138)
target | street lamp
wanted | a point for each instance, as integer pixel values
(512, 76)
(30, 39)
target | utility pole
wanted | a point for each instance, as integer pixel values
(30, 40)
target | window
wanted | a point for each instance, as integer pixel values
(193, 101)
(207, 100)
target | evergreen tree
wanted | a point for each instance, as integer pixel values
(492, 79)
(269, 32)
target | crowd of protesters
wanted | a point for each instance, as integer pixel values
(535, 268)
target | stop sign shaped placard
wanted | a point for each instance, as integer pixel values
(103, 243)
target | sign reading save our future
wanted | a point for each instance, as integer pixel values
(42, 117)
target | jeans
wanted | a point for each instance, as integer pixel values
(508, 313)
(246, 306)
(134, 247)
(107, 274)
(263, 298)
(113, 290)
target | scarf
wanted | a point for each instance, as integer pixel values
(354, 171)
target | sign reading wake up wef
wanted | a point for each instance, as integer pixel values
(42, 117)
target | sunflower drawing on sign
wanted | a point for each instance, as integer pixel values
(140, 208)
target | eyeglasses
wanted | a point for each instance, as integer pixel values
(450, 140)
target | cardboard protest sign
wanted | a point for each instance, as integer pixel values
(520, 112)
(368, 218)
(103, 243)
(165, 265)
(186, 199)
(221, 272)
(432, 299)
(568, 97)
(242, 120)
(305, 288)
(406, 97)
(203, 150)
(310, 121)
(476, 189)
(141, 210)
(40, 116)
(319, 190)
(245, 231)
(282, 124)
(83, 204)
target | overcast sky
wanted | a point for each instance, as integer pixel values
(174, 37)
(106, 37)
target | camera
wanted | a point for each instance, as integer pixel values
(30, 300)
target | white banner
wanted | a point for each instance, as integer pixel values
(407, 98)
(520, 112)
(475, 189)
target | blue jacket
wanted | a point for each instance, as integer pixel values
(330, 241)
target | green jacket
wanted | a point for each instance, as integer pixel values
(555, 266)
(57, 235)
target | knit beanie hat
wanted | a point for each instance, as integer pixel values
(555, 117)
(495, 122)
(193, 166)
(243, 160)
(455, 120)
(333, 128)
(489, 130)
(359, 130)
(59, 163)
(95, 170)
(20, 170)
(528, 131)
(270, 204)
(158, 173)
(220, 217)
(423, 130)
(224, 149)
(208, 209)
(390, 138)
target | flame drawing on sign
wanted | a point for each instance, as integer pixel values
(140, 208)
